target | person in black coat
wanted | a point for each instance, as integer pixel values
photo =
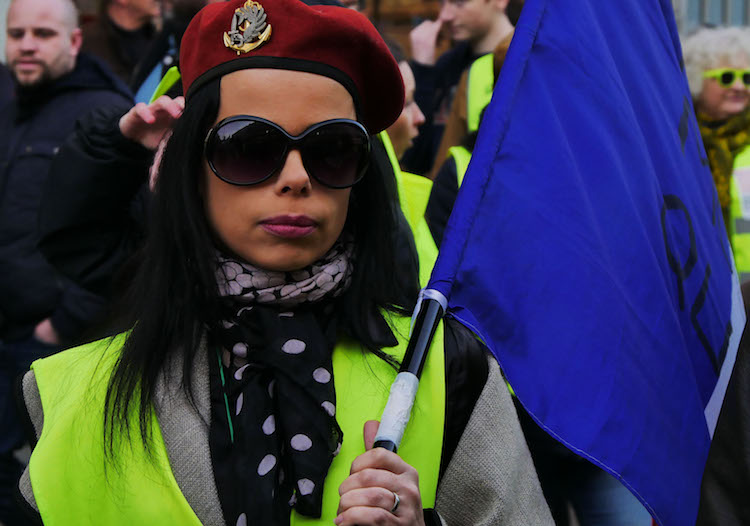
(121, 34)
(34, 126)
(723, 500)
(40, 310)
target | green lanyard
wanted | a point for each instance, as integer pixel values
(226, 400)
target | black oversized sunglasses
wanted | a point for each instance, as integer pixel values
(245, 150)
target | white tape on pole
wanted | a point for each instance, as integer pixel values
(398, 408)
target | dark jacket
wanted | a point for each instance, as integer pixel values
(726, 478)
(121, 50)
(435, 88)
(163, 53)
(33, 127)
(6, 86)
(442, 198)
(93, 219)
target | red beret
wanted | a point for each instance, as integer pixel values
(286, 34)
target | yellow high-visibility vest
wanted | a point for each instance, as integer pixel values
(414, 193)
(739, 214)
(479, 88)
(462, 157)
(73, 485)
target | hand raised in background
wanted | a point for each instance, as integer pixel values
(45, 332)
(146, 124)
(423, 39)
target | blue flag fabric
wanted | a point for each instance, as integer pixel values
(587, 246)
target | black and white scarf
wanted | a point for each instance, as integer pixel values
(273, 430)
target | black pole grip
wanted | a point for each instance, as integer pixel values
(428, 318)
(386, 444)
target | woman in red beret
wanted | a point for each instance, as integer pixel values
(267, 317)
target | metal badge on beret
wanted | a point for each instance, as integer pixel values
(249, 28)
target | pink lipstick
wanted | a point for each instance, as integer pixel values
(289, 226)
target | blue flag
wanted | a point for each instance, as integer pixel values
(587, 246)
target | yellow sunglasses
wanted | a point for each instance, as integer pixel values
(727, 76)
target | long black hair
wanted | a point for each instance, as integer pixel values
(174, 299)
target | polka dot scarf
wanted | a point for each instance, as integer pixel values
(273, 432)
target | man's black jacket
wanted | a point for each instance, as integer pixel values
(32, 128)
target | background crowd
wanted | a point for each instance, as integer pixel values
(75, 178)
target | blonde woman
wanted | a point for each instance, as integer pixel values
(717, 64)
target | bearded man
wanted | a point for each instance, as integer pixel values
(40, 311)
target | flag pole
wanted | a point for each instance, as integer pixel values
(430, 309)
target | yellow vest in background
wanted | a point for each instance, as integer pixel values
(414, 193)
(739, 214)
(479, 89)
(481, 83)
(462, 157)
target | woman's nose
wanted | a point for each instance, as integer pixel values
(419, 117)
(293, 178)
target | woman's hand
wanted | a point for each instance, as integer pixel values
(368, 494)
(146, 124)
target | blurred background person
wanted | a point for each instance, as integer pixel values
(39, 310)
(122, 33)
(460, 136)
(406, 128)
(717, 64)
(726, 478)
(477, 26)
(164, 51)
(473, 94)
